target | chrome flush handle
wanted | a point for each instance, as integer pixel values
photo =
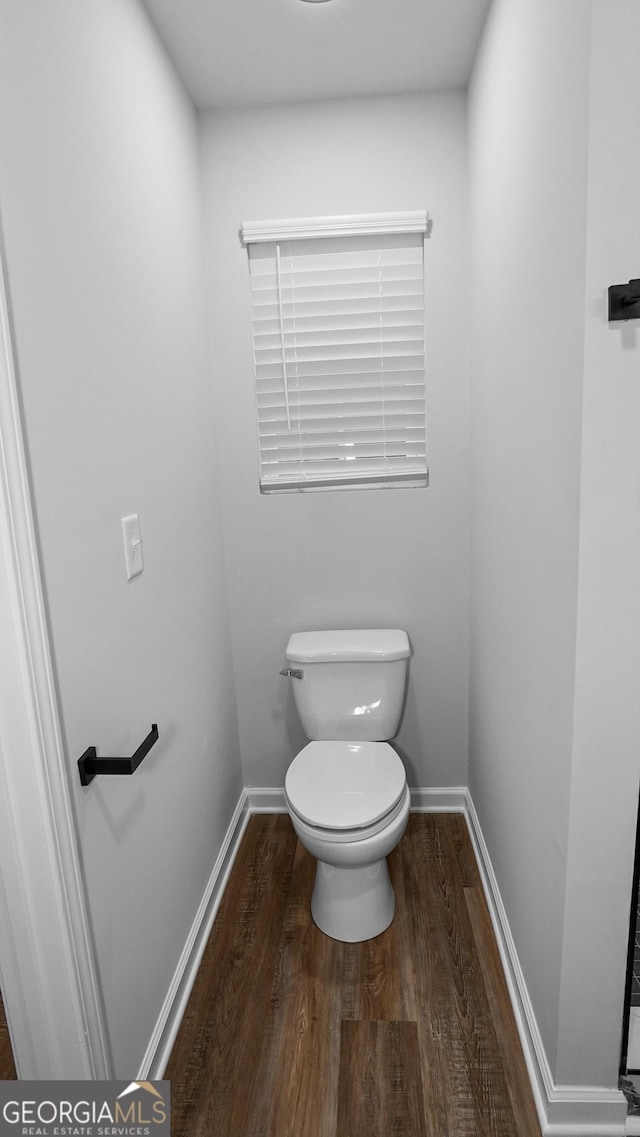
(293, 672)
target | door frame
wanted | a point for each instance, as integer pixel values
(48, 973)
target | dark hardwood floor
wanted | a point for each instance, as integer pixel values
(288, 1033)
(7, 1066)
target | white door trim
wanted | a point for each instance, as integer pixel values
(47, 970)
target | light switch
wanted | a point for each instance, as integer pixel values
(132, 545)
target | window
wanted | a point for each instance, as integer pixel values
(338, 336)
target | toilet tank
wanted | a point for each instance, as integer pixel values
(352, 684)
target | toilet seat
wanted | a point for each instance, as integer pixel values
(346, 836)
(347, 790)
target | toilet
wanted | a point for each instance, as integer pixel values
(346, 791)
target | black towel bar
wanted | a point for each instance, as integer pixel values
(89, 764)
(624, 301)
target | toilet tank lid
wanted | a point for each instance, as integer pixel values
(347, 645)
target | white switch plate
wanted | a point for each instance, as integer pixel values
(132, 545)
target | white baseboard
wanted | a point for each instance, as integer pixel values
(439, 799)
(266, 799)
(563, 1111)
(159, 1049)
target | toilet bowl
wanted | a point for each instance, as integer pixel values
(349, 831)
(346, 791)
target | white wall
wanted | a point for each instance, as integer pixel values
(363, 558)
(605, 768)
(555, 413)
(528, 158)
(99, 195)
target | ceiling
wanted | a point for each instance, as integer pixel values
(238, 52)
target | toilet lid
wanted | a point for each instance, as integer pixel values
(345, 785)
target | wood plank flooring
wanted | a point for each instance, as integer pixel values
(7, 1065)
(288, 1033)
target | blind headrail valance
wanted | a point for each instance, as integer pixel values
(357, 225)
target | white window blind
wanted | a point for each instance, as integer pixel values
(338, 334)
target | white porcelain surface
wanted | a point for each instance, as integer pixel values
(345, 785)
(353, 897)
(375, 644)
(358, 701)
(352, 905)
(347, 792)
(354, 847)
(353, 682)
